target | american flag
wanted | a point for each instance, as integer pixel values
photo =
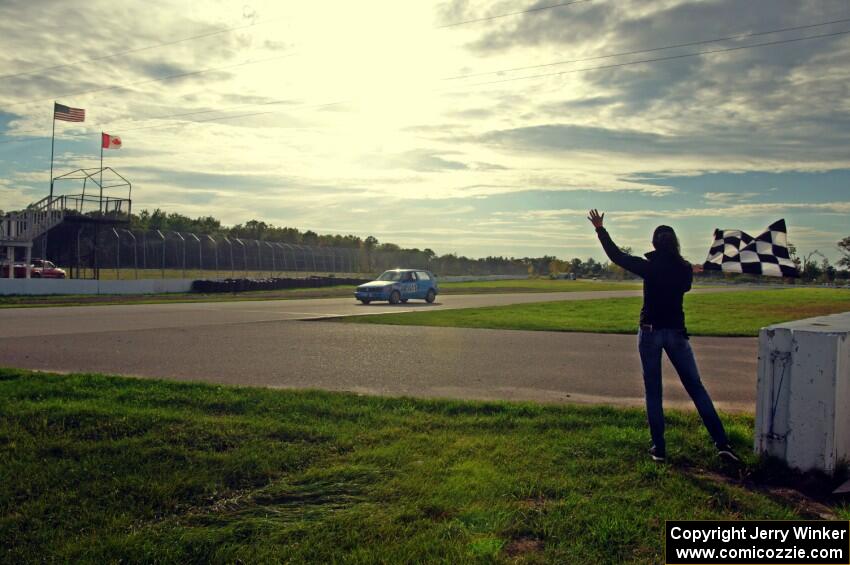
(68, 114)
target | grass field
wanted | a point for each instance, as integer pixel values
(536, 285)
(107, 469)
(721, 314)
(343, 291)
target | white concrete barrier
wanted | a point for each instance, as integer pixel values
(152, 286)
(803, 403)
(81, 286)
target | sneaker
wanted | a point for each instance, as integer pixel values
(657, 454)
(725, 452)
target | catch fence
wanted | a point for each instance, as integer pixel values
(114, 252)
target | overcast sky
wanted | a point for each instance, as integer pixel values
(383, 118)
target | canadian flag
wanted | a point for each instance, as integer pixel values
(110, 141)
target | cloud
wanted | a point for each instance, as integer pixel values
(569, 107)
(423, 160)
(472, 113)
(481, 166)
(711, 146)
(565, 137)
(724, 198)
(568, 25)
(733, 108)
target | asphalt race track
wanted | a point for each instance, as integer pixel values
(32, 322)
(265, 343)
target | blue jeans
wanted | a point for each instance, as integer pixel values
(678, 348)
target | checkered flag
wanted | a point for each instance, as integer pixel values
(735, 251)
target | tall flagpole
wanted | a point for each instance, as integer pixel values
(101, 172)
(52, 142)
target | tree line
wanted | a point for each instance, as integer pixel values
(379, 254)
(813, 266)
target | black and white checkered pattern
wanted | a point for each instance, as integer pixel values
(734, 251)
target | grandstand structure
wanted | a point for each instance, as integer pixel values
(96, 199)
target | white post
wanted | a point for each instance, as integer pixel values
(10, 255)
(803, 407)
(28, 264)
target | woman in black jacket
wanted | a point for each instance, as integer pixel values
(666, 278)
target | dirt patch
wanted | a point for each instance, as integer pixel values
(523, 546)
(532, 503)
(803, 505)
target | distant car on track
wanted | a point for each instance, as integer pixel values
(399, 285)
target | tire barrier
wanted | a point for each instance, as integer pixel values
(245, 285)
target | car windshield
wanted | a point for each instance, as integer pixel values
(391, 276)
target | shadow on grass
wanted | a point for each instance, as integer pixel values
(809, 493)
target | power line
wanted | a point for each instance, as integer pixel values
(135, 50)
(488, 18)
(650, 50)
(185, 122)
(163, 117)
(221, 118)
(224, 118)
(668, 58)
(227, 109)
(148, 81)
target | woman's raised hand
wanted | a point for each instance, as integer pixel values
(596, 218)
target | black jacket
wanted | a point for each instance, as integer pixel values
(666, 279)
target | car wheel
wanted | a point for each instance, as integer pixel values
(404, 300)
(395, 297)
(431, 296)
(365, 300)
(35, 276)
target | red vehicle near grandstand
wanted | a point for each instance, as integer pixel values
(40, 269)
(46, 270)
